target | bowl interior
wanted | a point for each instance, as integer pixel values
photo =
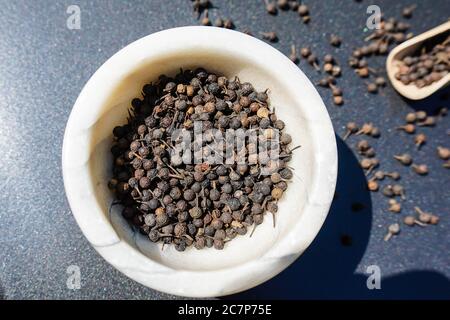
(295, 112)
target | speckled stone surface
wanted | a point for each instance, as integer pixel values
(44, 65)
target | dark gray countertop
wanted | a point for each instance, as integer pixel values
(44, 65)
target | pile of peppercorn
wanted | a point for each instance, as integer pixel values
(201, 204)
(429, 65)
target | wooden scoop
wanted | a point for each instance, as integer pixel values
(411, 91)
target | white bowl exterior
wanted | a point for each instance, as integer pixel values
(245, 262)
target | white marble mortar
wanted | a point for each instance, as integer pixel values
(245, 262)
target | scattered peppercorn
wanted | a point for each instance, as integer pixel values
(205, 20)
(271, 36)
(420, 139)
(303, 10)
(338, 100)
(394, 206)
(393, 229)
(420, 169)
(372, 185)
(443, 153)
(428, 122)
(408, 128)
(335, 40)
(372, 88)
(271, 8)
(411, 117)
(283, 4)
(352, 128)
(408, 11)
(293, 55)
(411, 221)
(228, 24)
(404, 159)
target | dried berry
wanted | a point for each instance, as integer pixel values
(420, 139)
(387, 191)
(335, 40)
(428, 122)
(293, 55)
(398, 190)
(352, 128)
(372, 88)
(393, 229)
(305, 52)
(271, 36)
(408, 11)
(205, 20)
(443, 153)
(271, 8)
(365, 129)
(228, 24)
(393, 175)
(411, 117)
(200, 204)
(420, 169)
(303, 10)
(404, 159)
(372, 185)
(411, 221)
(394, 206)
(338, 100)
(408, 128)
